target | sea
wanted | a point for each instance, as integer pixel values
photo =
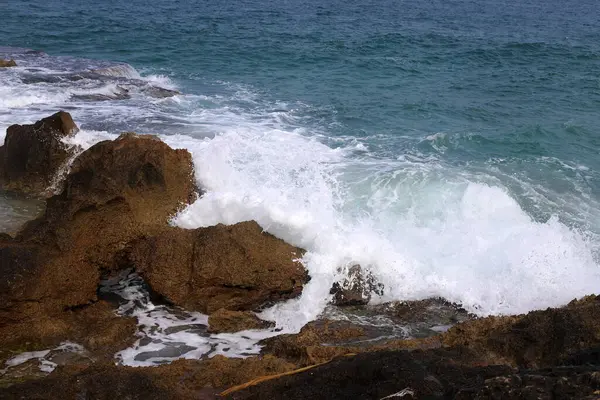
(449, 147)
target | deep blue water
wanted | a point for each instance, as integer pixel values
(468, 128)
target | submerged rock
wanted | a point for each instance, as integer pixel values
(236, 267)
(7, 63)
(32, 155)
(226, 321)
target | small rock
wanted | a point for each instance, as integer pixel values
(226, 321)
(7, 63)
(32, 155)
(356, 289)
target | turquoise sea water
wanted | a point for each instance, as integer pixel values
(451, 147)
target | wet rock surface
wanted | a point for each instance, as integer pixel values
(184, 379)
(33, 155)
(226, 321)
(356, 289)
(236, 267)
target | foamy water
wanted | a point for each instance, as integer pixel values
(495, 242)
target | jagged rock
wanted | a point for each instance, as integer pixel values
(117, 191)
(356, 288)
(535, 340)
(226, 321)
(7, 63)
(32, 155)
(236, 267)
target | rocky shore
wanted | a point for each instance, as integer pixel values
(108, 210)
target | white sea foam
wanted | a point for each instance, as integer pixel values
(496, 241)
(422, 229)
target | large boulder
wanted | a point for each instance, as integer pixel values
(33, 155)
(117, 191)
(236, 267)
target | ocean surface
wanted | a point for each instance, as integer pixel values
(449, 147)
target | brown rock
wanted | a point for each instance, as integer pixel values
(538, 339)
(117, 191)
(183, 379)
(356, 288)
(226, 321)
(317, 342)
(7, 63)
(237, 267)
(96, 327)
(33, 155)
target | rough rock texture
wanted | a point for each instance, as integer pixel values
(433, 374)
(236, 267)
(184, 379)
(538, 339)
(7, 63)
(95, 327)
(356, 288)
(33, 155)
(225, 321)
(117, 191)
(322, 340)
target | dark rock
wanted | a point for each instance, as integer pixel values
(7, 63)
(226, 321)
(356, 288)
(556, 383)
(435, 374)
(237, 267)
(33, 155)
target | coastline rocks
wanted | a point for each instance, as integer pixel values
(435, 374)
(96, 328)
(182, 379)
(32, 155)
(225, 321)
(356, 289)
(535, 340)
(235, 267)
(7, 63)
(116, 191)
